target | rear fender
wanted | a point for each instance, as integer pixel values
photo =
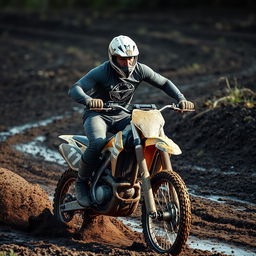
(76, 140)
(69, 139)
(72, 155)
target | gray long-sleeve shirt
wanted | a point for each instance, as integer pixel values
(103, 82)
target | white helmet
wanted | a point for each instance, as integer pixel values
(122, 46)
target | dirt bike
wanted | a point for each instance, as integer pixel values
(134, 167)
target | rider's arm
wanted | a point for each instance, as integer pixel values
(77, 93)
(82, 89)
(161, 82)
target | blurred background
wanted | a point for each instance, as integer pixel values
(44, 5)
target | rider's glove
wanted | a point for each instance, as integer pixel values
(184, 104)
(95, 103)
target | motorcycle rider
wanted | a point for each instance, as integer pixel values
(114, 80)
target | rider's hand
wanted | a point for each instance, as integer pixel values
(95, 103)
(184, 104)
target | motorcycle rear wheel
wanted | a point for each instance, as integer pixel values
(168, 232)
(65, 192)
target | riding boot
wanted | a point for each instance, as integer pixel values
(82, 184)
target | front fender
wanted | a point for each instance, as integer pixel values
(164, 144)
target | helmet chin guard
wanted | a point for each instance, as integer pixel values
(123, 46)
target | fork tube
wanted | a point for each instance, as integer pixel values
(145, 176)
(165, 157)
(146, 184)
(166, 162)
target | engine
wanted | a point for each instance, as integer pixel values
(103, 194)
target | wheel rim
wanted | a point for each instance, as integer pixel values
(75, 219)
(164, 230)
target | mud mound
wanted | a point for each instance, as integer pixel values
(109, 230)
(99, 229)
(45, 224)
(19, 199)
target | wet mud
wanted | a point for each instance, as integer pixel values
(43, 56)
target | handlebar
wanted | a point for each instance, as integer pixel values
(115, 106)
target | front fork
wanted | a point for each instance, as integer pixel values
(145, 176)
(166, 163)
(146, 184)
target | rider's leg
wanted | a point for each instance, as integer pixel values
(120, 121)
(95, 128)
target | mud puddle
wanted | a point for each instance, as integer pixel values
(214, 170)
(198, 243)
(21, 128)
(37, 148)
(229, 200)
(223, 199)
(213, 246)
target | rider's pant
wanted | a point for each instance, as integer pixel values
(96, 126)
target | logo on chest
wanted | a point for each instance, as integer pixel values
(122, 92)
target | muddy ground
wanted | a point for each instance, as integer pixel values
(42, 55)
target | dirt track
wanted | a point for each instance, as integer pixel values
(41, 56)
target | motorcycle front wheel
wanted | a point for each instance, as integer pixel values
(65, 192)
(168, 231)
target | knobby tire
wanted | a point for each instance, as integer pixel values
(184, 223)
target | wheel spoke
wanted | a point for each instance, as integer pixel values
(163, 194)
(64, 193)
(162, 233)
(161, 229)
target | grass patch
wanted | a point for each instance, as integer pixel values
(11, 253)
(234, 96)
